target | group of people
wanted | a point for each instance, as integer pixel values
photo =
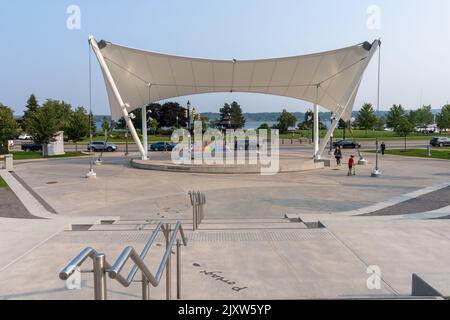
(351, 160)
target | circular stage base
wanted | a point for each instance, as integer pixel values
(287, 164)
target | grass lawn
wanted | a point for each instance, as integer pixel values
(360, 135)
(151, 139)
(443, 153)
(18, 155)
(2, 183)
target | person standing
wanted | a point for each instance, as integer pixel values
(383, 148)
(351, 166)
(338, 155)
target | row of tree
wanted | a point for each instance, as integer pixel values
(42, 122)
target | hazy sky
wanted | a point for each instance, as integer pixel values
(40, 55)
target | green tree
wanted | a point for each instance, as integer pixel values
(63, 112)
(106, 126)
(396, 113)
(380, 123)
(153, 126)
(404, 128)
(366, 118)
(264, 126)
(43, 125)
(8, 127)
(421, 117)
(78, 128)
(92, 125)
(443, 118)
(285, 121)
(224, 121)
(32, 106)
(237, 118)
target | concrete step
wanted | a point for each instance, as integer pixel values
(207, 224)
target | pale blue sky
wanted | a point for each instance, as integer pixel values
(40, 55)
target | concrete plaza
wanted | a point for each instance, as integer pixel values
(245, 237)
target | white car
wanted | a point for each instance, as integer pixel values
(25, 137)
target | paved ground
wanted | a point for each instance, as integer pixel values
(245, 239)
(429, 202)
(11, 207)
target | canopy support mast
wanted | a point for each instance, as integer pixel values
(117, 95)
(317, 155)
(351, 94)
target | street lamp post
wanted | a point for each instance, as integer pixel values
(189, 115)
(376, 171)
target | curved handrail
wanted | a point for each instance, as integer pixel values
(130, 253)
(79, 261)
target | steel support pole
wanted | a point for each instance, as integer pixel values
(178, 269)
(145, 288)
(99, 277)
(316, 125)
(169, 264)
(115, 91)
(144, 132)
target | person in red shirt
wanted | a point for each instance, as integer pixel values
(351, 166)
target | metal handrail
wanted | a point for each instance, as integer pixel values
(130, 253)
(198, 200)
(101, 266)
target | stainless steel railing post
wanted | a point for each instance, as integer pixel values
(194, 212)
(100, 277)
(169, 263)
(145, 288)
(178, 269)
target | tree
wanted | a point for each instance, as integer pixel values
(8, 127)
(32, 106)
(264, 126)
(224, 121)
(285, 121)
(63, 112)
(92, 124)
(366, 118)
(396, 113)
(443, 118)
(237, 118)
(106, 126)
(404, 127)
(78, 128)
(380, 123)
(43, 125)
(422, 117)
(153, 126)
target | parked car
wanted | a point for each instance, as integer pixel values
(346, 144)
(25, 137)
(440, 142)
(31, 147)
(101, 146)
(161, 146)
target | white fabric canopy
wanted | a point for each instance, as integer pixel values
(144, 77)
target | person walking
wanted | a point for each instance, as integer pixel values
(351, 166)
(383, 148)
(338, 155)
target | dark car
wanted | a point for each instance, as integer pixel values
(440, 142)
(347, 144)
(162, 146)
(101, 146)
(32, 147)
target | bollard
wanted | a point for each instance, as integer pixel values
(429, 151)
(100, 277)
(9, 166)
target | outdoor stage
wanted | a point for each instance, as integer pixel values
(287, 163)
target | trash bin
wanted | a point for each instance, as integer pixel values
(8, 158)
